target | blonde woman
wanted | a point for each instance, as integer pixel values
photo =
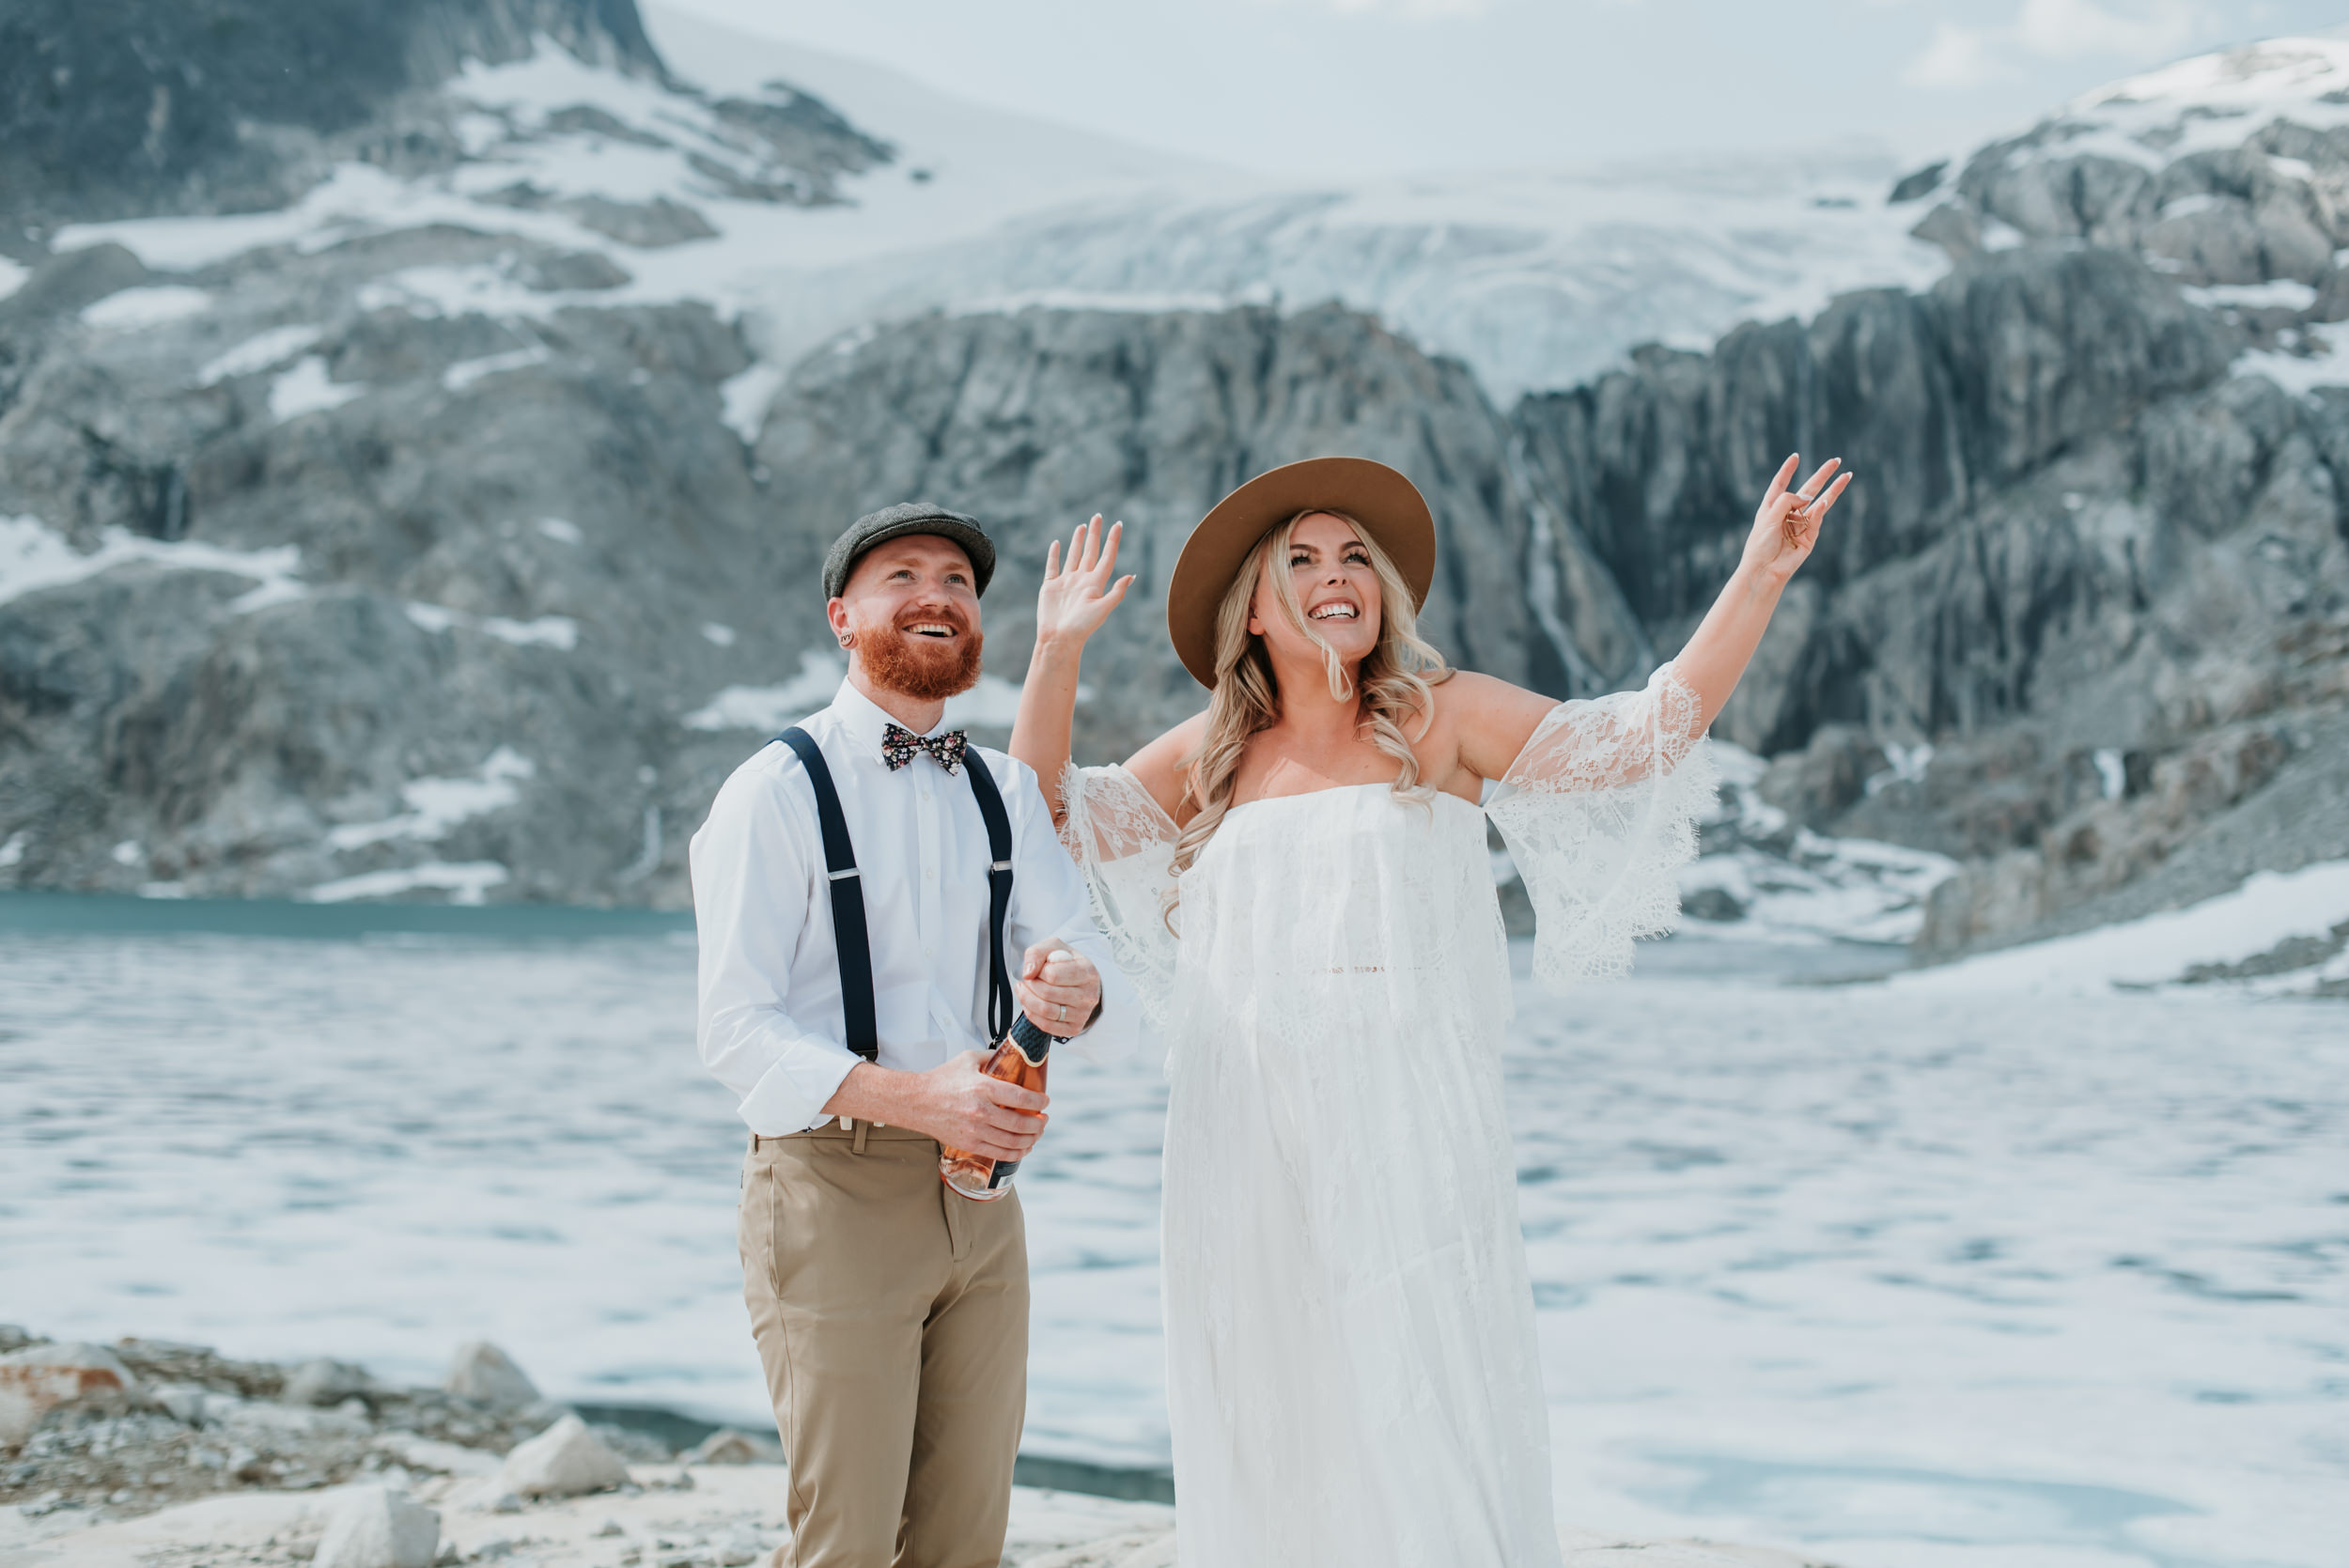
(1296, 880)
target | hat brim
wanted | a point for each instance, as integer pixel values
(1385, 504)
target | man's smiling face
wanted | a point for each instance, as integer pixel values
(909, 616)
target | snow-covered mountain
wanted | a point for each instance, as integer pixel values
(422, 496)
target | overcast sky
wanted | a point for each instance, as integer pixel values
(1355, 88)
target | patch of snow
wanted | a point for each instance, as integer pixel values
(547, 632)
(2326, 365)
(747, 396)
(1906, 765)
(2111, 772)
(2185, 206)
(13, 276)
(465, 882)
(2288, 292)
(129, 852)
(464, 373)
(12, 852)
(135, 309)
(307, 388)
(1816, 888)
(560, 530)
(1998, 235)
(265, 351)
(436, 805)
(773, 707)
(718, 633)
(2269, 908)
(33, 557)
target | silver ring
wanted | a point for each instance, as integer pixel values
(1063, 1013)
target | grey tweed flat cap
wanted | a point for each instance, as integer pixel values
(894, 522)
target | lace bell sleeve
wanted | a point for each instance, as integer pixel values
(1600, 812)
(1123, 842)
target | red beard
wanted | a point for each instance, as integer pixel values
(923, 668)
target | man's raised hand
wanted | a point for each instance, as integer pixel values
(1081, 589)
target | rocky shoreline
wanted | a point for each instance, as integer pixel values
(165, 1455)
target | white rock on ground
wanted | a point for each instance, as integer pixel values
(35, 1380)
(564, 1461)
(724, 1447)
(378, 1527)
(731, 1505)
(484, 1373)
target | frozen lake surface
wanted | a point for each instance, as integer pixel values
(1910, 1280)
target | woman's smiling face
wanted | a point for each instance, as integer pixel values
(1336, 589)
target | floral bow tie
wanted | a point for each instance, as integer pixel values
(898, 744)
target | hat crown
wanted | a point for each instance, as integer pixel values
(896, 522)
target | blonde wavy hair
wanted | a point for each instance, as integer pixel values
(1396, 680)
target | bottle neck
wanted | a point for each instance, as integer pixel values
(1032, 1042)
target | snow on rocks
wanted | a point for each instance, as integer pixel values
(377, 1527)
(487, 1376)
(38, 1380)
(564, 1461)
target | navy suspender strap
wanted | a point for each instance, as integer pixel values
(850, 936)
(848, 899)
(999, 1001)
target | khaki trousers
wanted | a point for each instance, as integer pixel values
(892, 1317)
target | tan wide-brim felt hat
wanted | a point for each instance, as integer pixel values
(1387, 506)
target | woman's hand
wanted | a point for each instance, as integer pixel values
(1787, 525)
(1078, 597)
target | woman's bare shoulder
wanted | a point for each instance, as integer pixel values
(1488, 720)
(1159, 763)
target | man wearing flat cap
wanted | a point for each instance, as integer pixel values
(864, 935)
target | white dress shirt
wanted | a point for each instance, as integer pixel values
(771, 1026)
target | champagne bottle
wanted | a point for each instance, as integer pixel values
(1019, 1059)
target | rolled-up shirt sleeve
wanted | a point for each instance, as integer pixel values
(1048, 900)
(753, 876)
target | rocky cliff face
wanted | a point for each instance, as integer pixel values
(1036, 419)
(229, 105)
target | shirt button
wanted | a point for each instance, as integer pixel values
(925, 794)
(932, 875)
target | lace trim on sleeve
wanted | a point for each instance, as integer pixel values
(1123, 841)
(1600, 811)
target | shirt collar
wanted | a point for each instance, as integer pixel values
(865, 721)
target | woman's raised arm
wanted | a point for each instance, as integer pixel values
(1078, 595)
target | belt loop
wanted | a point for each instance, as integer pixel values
(856, 1145)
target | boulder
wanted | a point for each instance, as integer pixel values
(379, 1528)
(487, 1376)
(724, 1447)
(35, 1380)
(564, 1461)
(324, 1383)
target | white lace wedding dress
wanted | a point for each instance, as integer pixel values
(1353, 1378)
